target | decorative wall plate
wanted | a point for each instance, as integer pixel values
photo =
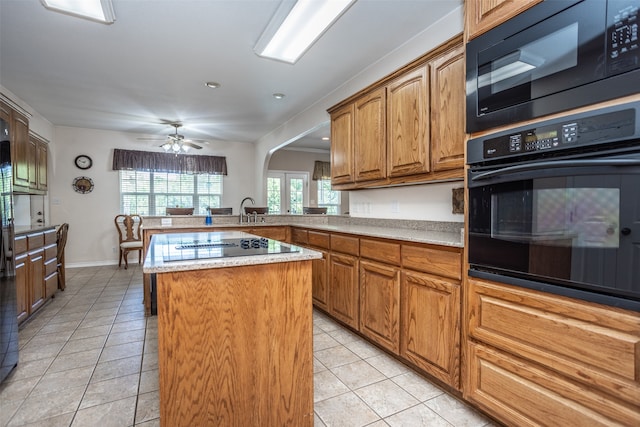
(83, 184)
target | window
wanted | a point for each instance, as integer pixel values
(328, 198)
(149, 193)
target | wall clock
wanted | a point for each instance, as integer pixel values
(83, 185)
(83, 161)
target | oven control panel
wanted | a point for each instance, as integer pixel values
(571, 132)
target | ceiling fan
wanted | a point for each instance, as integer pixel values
(176, 143)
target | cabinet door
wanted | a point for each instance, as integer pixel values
(408, 124)
(41, 165)
(342, 145)
(343, 291)
(22, 287)
(36, 279)
(430, 336)
(20, 149)
(320, 274)
(448, 110)
(370, 148)
(482, 15)
(32, 154)
(380, 304)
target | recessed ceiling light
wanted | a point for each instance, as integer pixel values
(212, 85)
(325, 138)
(95, 10)
(278, 95)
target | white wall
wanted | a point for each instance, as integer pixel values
(422, 202)
(92, 235)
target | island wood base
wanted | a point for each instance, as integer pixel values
(235, 346)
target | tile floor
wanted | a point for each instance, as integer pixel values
(89, 358)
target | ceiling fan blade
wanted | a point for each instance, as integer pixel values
(150, 138)
(192, 145)
(199, 141)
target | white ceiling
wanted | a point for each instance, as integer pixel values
(150, 66)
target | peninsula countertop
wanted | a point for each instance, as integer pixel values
(162, 245)
(429, 232)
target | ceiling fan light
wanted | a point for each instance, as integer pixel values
(185, 148)
(166, 146)
(175, 147)
(95, 10)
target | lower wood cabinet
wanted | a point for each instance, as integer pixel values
(380, 304)
(320, 285)
(35, 268)
(22, 287)
(540, 359)
(431, 325)
(344, 289)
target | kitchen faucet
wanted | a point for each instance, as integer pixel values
(253, 202)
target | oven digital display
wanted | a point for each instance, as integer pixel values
(534, 137)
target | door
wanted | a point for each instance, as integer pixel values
(287, 192)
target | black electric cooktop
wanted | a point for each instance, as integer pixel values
(193, 249)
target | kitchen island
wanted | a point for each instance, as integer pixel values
(234, 331)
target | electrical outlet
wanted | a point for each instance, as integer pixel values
(395, 206)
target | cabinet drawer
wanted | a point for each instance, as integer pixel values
(520, 393)
(50, 252)
(50, 237)
(591, 344)
(50, 266)
(51, 284)
(275, 233)
(345, 244)
(319, 239)
(441, 262)
(35, 240)
(20, 244)
(299, 236)
(376, 250)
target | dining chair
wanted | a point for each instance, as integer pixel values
(130, 235)
(61, 234)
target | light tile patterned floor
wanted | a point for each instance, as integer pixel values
(89, 358)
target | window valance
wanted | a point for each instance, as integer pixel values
(321, 170)
(168, 162)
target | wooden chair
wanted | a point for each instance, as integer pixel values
(61, 234)
(130, 234)
(179, 211)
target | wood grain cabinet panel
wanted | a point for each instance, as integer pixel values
(344, 290)
(378, 250)
(441, 261)
(299, 236)
(380, 304)
(20, 150)
(275, 233)
(342, 140)
(592, 345)
(35, 268)
(345, 244)
(520, 393)
(318, 239)
(22, 286)
(42, 156)
(430, 336)
(482, 15)
(370, 142)
(320, 283)
(448, 110)
(408, 124)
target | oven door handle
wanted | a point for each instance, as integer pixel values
(555, 164)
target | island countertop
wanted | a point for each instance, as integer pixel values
(163, 244)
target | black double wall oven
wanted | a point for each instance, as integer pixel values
(555, 206)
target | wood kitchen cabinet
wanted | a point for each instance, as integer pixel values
(408, 117)
(342, 140)
(41, 159)
(535, 358)
(370, 142)
(483, 15)
(344, 291)
(405, 128)
(448, 110)
(23, 157)
(320, 241)
(36, 270)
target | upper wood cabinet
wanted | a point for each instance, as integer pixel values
(370, 144)
(448, 110)
(407, 115)
(342, 145)
(406, 128)
(21, 150)
(482, 15)
(42, 156)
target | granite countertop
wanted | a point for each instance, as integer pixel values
(429, 232)
(26, 229)
(162, 244)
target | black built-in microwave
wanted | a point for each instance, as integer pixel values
(556, 56)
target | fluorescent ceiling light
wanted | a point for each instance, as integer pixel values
(292, 30)
(96, 10)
